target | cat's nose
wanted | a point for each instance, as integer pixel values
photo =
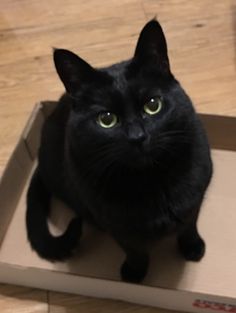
(137, 138)
(136, 134)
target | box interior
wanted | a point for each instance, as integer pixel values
(98, 255)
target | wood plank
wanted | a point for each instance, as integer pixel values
(60, 303)
(22, 300)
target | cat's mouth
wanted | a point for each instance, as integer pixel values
(139, 157)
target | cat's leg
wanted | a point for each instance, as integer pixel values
(135, 266)
(191, 245)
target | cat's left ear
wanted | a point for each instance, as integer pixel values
(152, 46)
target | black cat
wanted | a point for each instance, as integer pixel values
(126, 151)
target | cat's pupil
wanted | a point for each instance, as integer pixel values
(153, 104)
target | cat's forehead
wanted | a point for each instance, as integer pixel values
(121, 96)
(131, 81)
(130, 72)
(118, 74)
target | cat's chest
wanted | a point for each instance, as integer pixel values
(145, 212)
(136, 204)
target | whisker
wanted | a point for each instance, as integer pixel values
(104, 159)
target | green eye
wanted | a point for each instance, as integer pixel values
(107, 119)
(154, 106)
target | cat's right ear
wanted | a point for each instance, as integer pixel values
(72, 70)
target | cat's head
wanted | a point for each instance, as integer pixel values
(133, 113)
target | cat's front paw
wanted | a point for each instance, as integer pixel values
(132, 274)
(192, 250)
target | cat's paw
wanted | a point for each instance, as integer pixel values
(131, 274)
(192, 250)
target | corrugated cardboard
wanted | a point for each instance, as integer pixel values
(171, 282)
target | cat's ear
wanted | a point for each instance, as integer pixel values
(72, 70)
(152, 45)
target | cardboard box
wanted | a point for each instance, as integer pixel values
(171, 283)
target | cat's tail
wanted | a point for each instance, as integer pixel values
(46, 245)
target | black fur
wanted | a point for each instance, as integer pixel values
(139, 180)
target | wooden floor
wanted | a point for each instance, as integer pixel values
(202, 48)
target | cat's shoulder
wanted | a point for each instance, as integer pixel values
(61, 111)
(53, 130)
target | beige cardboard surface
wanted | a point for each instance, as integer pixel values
(99, 256)
(11, 186)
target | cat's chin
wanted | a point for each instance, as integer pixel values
(140, 162)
